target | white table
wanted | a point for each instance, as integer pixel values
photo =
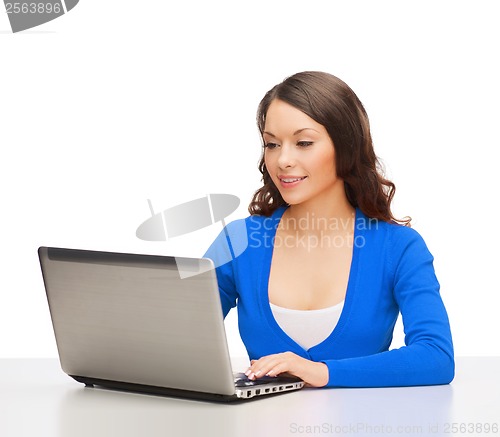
(38, 399)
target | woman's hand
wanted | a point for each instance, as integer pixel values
(312, 373)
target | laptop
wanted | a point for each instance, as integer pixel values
(145, 323)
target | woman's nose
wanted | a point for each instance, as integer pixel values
(286, 157)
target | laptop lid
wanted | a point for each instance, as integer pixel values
(138, 319)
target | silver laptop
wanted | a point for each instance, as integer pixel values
(144, 323)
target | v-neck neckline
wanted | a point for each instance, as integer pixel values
(350, 289)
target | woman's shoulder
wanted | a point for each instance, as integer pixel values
(242, 228)
(396, 234)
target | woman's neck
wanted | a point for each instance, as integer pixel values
(320, 215)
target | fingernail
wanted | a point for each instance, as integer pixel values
(248, 372)
(257, 373)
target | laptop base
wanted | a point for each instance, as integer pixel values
(153, 390)
(172, 392)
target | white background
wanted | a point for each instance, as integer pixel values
(118, 102)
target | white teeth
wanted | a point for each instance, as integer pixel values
(288, 181)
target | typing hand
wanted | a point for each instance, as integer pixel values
(312, 373)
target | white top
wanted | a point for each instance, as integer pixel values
(307, 327)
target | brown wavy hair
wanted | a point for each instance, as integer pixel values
(332, 103)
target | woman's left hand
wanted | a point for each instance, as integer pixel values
(312, 373)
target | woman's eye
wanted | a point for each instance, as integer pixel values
(270, 145)
(304, 143)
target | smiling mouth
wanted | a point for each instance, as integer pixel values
(292, 180)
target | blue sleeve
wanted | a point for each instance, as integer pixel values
(228, 245)
(427, 357)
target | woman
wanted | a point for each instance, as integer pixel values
(326, 268)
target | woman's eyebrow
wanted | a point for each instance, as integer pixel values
(295, 133)
(303, 129)
(269, 133)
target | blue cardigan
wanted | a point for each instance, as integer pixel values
(391, 271)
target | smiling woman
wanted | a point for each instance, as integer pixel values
(328, 269)
(329, 104)
(300, 162)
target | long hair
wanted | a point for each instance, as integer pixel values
(332, 103)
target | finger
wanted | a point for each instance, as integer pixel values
(278, 369)
(251, 369)
(269, 366)
(257, 367)
(281, 363)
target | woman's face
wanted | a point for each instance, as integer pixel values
(299, 155)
